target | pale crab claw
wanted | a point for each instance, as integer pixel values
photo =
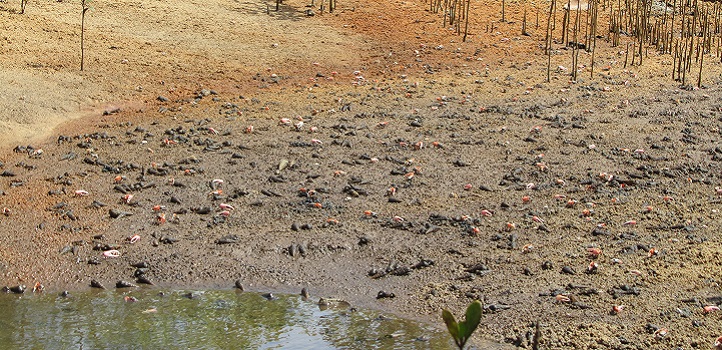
(710, 308)
(562, 298)
(225, 206)
(81, 193)
(111, 253)
(134, 238)
(718, 343)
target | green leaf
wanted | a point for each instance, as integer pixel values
(473, 317)
(452, 326)
(462, 337)
(461, 331)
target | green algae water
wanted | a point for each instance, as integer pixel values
(200, 320)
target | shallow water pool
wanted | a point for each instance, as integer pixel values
(201, 320)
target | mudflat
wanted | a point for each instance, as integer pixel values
(367, 154)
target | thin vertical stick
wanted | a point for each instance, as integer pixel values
(523, 22)
(674, 61)
(641, 27)
(701, 58)
(503, 10)
(691, 37)
(626, 56)
(444, 25)
(466, 26)
(452, 14)
(565, 23)
(575, 47)
(548, 43)
(593, 33)
(82, 34)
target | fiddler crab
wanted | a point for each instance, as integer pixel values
(113, 253)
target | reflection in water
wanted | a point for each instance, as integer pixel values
(200, 320)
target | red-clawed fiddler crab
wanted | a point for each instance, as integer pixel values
(661, 333)
(594, 252)
(370, 213)
(593, 267)
(127, 198)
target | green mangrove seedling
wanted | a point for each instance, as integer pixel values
(461, 331)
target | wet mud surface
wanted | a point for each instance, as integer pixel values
(419, 178)
(538, 209)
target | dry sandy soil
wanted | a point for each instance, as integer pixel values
(436, 170)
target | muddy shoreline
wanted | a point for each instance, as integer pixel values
(438, 200)
(368, 160)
